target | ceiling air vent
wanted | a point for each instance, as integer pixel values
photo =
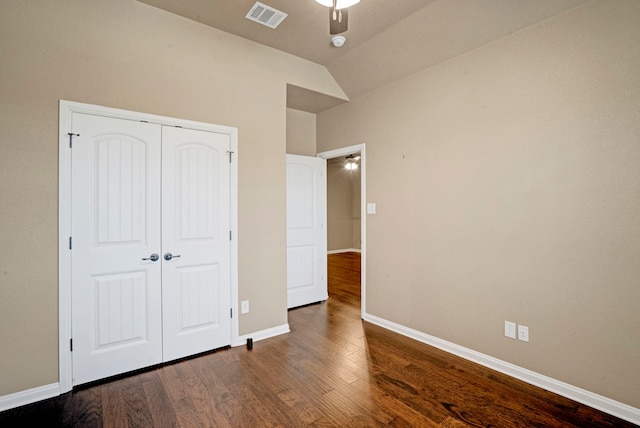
(266, 15)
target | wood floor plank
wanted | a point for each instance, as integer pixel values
(113, 405)
(87, 407)
(360, 407)
(205, 404)
(257, 409)
(136, 404)
(178, 392)
(162, 413)
(299, 407)
(453, 423)
(404, 415)
(208, 367)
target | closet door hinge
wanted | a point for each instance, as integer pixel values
(71, 135)
(230, 156)
(71, 345)
(230, 236)
(230, 312)
(70, 243)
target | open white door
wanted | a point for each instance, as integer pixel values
(306, 234)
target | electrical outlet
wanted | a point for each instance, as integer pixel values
(523, 333)
(510, 329)
(244, 307)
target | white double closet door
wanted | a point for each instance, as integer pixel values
(150, 244)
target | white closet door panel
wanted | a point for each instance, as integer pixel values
(120, 308)
(198, 288)
(116, 295)
(195, 227)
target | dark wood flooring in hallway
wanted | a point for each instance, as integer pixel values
(332, 370)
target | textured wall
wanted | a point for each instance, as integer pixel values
(301, 133)
(128, 55)
(343, 208)
(507, 184)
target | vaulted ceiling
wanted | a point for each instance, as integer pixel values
(386, 39)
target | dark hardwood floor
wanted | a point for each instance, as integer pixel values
(331, 370)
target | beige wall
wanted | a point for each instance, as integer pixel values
(301, 133)
(128, 55)
(507, 184)
(343, 207)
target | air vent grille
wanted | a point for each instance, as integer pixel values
(266, 15)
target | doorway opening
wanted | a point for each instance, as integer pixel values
(346, 211)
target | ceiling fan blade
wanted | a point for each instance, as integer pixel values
(339, 24)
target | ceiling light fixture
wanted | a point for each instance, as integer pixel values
(338, 14)
(339, 4)
(352, 162)
(351, 166)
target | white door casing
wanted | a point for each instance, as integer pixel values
(306, 233)
(116, 297)
(116, 164)
(195, 230)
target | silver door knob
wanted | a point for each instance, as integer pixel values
(153, 257)
(169, 256)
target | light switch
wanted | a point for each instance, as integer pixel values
(371, 208)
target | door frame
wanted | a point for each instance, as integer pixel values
(345, 151)
(67, 108)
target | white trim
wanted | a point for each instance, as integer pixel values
(65, 373)
(29, 396)
(233, 224)
(67, 108)
(262, 334)
(599, 402)
(345, 250)
(358, 148)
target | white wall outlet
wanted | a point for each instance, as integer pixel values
(371, 208)
(510, 329)
(244, 307)
(523, 333)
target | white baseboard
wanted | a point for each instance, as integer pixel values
(262, 334)
(607, 405)
(29, 396)
(346, 250)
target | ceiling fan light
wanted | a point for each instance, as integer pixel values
(343, 4)
(340, 4)
(351, 161)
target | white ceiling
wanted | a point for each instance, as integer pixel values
(386, 40)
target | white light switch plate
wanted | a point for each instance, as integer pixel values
(510, 329)
(371, 208)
